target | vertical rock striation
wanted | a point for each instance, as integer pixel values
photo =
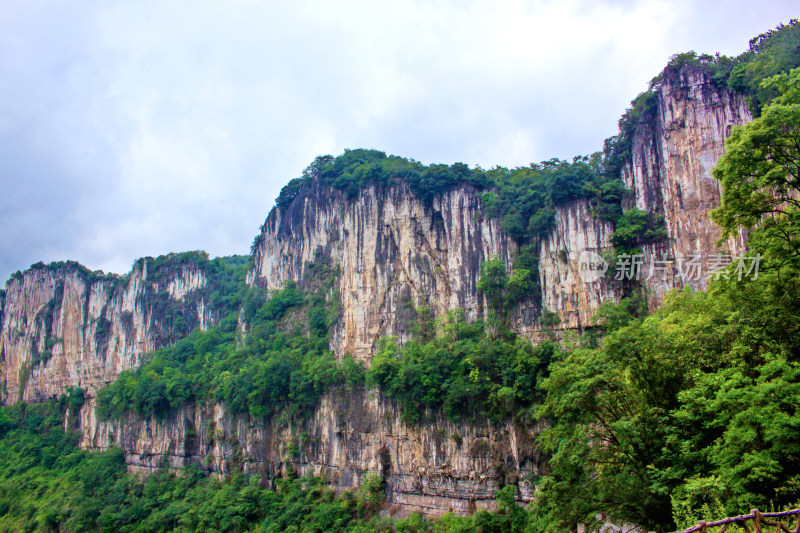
(670, 170)
(63, 326)
(434, 468)
(393, 253)
(566, 288)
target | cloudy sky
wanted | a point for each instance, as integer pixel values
(140, 128)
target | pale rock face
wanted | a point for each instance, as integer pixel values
(670, 171)
(188, 281)
(393, 254)
(93, 330)
(434, 468)
(567, 287)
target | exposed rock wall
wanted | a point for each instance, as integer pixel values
(567, 287)
(394, 253)
(434, 468)
(63, 327)
(670, 171)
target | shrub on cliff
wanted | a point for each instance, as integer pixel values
(463, 372)
(282, 367)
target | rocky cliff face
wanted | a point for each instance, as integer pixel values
(63, 326)
(670, 172)
(566, 288)
(394, 253)
(435, 468)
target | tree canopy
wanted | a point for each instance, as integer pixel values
(692, 411)
(760, 175)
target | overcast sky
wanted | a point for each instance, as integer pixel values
(140, 128)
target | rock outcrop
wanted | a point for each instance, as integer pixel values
(435, 468)
(670, 173)
(63, 326)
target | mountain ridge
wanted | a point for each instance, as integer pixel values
(388, 251)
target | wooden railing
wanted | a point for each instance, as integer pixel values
(758, 521)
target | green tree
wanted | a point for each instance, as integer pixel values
(760, 176)
(492, 283)
(770, 53)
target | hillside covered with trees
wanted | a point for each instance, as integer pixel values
(659, 419)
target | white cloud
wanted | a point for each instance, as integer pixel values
(141, 128)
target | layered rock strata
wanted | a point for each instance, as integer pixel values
(435, 468)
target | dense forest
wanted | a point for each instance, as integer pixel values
(661, 419)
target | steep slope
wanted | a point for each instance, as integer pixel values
(670, 171)
(63, 326)
(394, 252)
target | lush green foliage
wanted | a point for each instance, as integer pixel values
(462, 371)
(283, 364)
(515, 195)
(686, 414)
(760, 175)
(617, 149)
(224, 275)
(693, 411)
(85, 273)
(47, 484)
(770, 54)
(705, 391)
(634, 228)
(522, 193)
(356, 169)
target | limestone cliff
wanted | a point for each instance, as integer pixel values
(392, 252)
(669, 171)
(434, 468)
(395, 252)
(565, 290)
(64, 326)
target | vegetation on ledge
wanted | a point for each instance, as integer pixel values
(462, 371)
(282, 366)
(48, 484)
